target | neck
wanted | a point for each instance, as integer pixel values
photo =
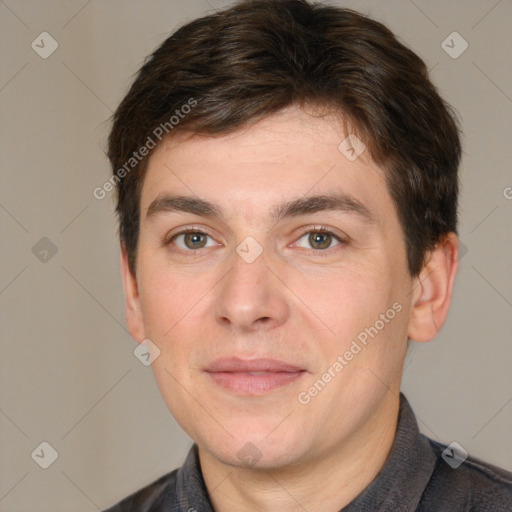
(328, 482)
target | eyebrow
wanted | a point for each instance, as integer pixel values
(295, 208)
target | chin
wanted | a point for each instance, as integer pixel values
(255, 450)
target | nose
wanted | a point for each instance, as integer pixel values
(251, 296)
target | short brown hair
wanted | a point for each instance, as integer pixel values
(251, 60)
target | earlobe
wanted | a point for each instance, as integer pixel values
(133, 311)
(432, 290)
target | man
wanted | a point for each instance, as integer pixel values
(287, 197)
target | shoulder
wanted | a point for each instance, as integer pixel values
(154, 497)
(474, 485)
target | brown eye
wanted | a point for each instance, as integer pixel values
(319, 240)
(191, 240)
(194, 240)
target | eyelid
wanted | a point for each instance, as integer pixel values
(183, 230)
(320, 228)
(341, 238)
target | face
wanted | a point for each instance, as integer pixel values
(281, 319)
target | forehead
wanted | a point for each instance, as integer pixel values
(255, 169)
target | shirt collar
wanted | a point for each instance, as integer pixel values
(402, 480)
(191, 493)
(398, 486)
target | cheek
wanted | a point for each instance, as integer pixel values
(170, 301)
(346, 300)
(367, 316)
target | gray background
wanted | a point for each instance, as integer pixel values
(68, 373)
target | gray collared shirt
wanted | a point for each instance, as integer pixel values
(414, 478)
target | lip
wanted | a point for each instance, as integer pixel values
(253, 376)
(235, 364)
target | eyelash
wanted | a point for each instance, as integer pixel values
(315, 229)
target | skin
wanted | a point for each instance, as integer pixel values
(292, 303)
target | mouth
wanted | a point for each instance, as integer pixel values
(252, 376)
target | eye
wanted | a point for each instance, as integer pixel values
(319, 239)
(191, 240)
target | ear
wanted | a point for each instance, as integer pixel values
(432, 290)
(133, 311)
